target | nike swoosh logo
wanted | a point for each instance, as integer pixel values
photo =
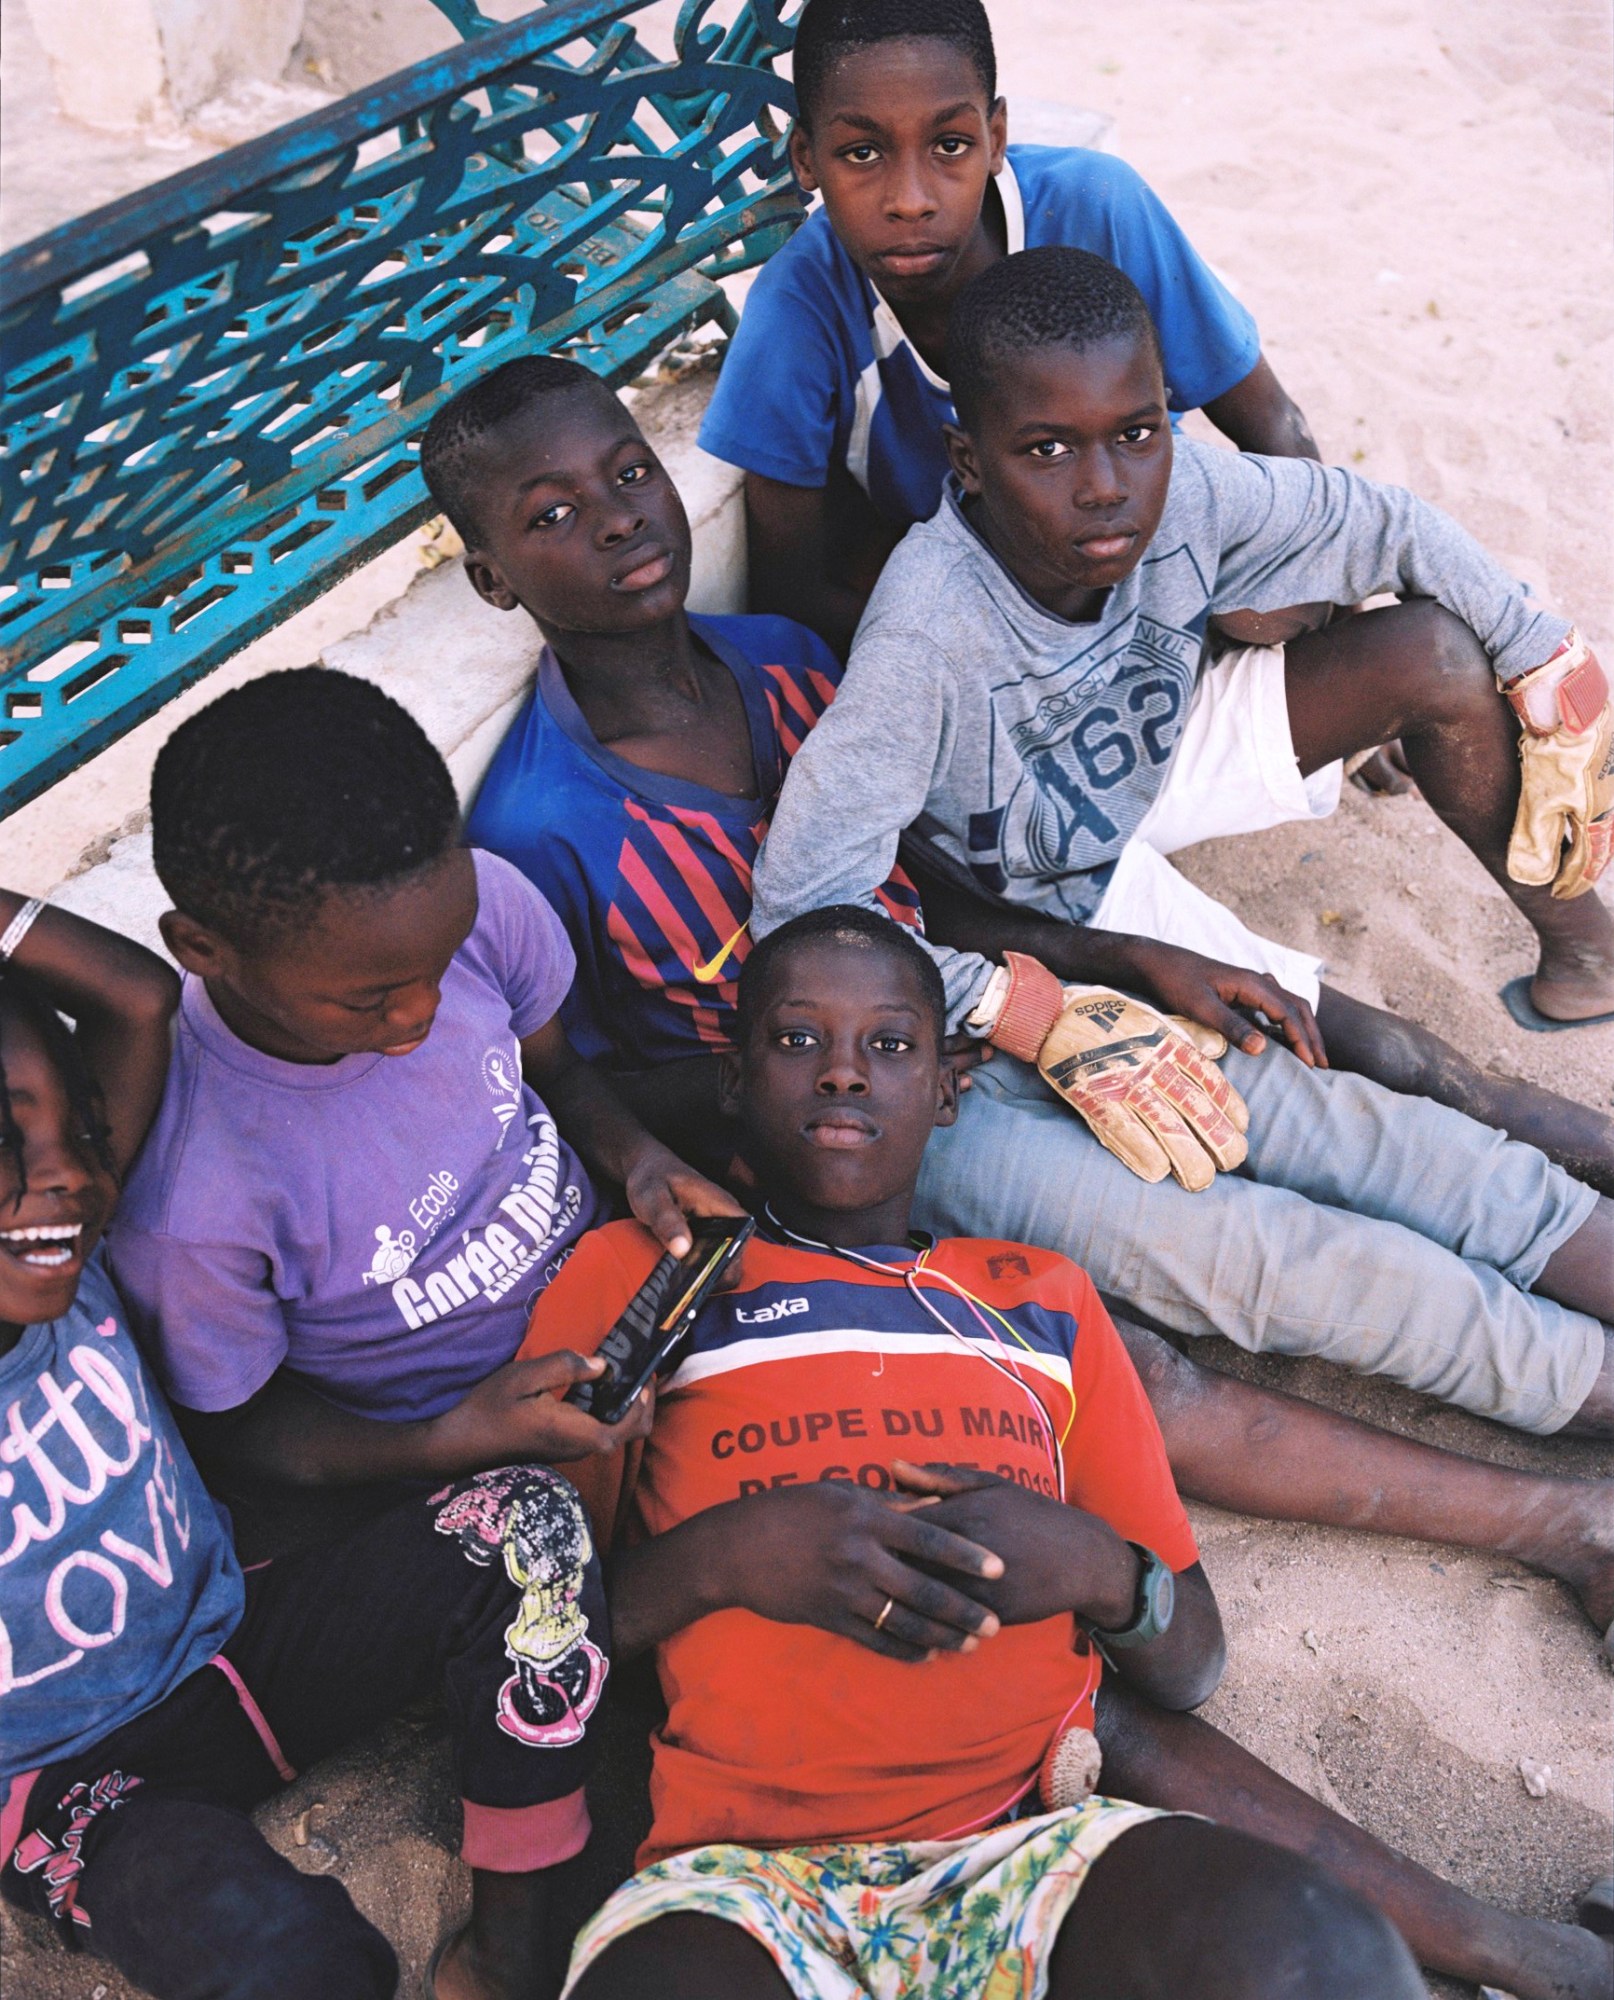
(708, 971)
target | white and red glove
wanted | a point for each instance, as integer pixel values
(1563, 832)
(1146, 1084)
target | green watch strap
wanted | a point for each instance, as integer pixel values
(1153, 1607)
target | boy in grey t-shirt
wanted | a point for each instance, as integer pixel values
(1031, 667)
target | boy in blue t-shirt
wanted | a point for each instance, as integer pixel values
(832, 395)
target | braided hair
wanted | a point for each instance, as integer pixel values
(21, 999)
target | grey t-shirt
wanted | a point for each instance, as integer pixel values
(1022, 749)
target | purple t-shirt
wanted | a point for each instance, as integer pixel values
(379, 1225)
(117, 1575)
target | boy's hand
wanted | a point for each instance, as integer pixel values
(518, 1415)
(662, 1191)
(1202, 990)
(963, 1053)
(835, 1556)
(1056, 1559)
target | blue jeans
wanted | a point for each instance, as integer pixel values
(1383, 1232)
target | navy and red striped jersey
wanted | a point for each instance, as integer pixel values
(816, 1368)
(652, 875)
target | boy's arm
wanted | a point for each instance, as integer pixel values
(1176, 980)
(1075, 1554)
(209, 1319)
(1059, 1559)
(801, 569)
(858, 782)
(1291, 531)
(288, 1433)
(121, 998)
(1259, 414)
(678, 1101)
(660, 1189)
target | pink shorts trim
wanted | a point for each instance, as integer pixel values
(255, 1715)
(513, 1840)
(18, 1792)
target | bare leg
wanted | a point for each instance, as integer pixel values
(1580, 1273)
(686, 1957)
(1282, 1459)
(1416, 672)
(1406, 1057)
(1177, 1761)
(1180, 1906)
(507, 1950)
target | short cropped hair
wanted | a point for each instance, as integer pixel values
(1052, 297)
(830, 29)
(448, 451)
(295, 784)
(837, 923)
(22, 1000)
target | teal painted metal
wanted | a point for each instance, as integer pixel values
(212, 392)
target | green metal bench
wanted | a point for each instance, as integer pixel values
(212, 392)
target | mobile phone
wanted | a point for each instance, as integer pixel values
(658, 1316)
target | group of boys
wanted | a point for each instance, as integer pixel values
(889, 951)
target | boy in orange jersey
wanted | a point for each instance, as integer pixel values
(881, 1675)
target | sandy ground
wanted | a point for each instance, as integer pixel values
(1415, 200)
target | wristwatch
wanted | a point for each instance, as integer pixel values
(1152, 1608)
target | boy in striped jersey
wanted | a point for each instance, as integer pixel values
(636, 784)
(872, 1665)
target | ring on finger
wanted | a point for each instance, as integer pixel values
(886, 1610)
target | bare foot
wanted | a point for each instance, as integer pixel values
(1560, 1962)
(458, 1976)
(1599, 1968)
(1575, 1543)
(1573, 985)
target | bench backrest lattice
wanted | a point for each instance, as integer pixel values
(212, 392)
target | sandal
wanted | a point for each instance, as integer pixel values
(1595, 1910)
(1515, 997)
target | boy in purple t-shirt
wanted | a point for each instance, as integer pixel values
(353, 1190)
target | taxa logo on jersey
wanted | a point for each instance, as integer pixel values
(767, 1315)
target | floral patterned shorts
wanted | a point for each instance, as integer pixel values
(971, 1919)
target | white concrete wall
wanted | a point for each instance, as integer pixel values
(121, 64)
(458, 666)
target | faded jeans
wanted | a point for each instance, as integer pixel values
(1386, 1233)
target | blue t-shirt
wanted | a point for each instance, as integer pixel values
(821, 373)
(117, 1574)
(650, 875)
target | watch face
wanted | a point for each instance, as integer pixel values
(1164, 1598)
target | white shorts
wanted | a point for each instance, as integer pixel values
(1234, 771)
